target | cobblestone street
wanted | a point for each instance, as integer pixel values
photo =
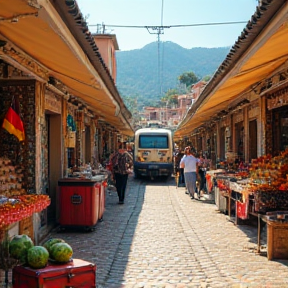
(161, 238)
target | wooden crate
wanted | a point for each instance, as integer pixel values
(277, 244)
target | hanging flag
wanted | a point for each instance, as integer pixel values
(12, 121)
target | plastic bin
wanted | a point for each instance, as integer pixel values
(79, 203)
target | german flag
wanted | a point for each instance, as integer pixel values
(12, 121)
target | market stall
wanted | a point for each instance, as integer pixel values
(211, 185)
(15, 204)
(262, 193)
(16, 208)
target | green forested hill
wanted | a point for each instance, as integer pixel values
(145, 73)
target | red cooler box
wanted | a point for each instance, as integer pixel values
(77, 273)
(79, 202)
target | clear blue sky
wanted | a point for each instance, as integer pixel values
(175, 12)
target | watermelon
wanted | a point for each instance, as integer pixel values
(37, 257)
(61, 252)
(49, 243)
(19, 246)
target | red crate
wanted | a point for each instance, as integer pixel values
(77, 273)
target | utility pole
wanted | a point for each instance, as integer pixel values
(100, 28)
(159, 30)
(159, 63)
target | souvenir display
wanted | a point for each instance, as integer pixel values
(265, 181)
(15, 204)
(269, 183)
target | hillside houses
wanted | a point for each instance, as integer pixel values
(170, 115)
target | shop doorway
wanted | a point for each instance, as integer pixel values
(71, 157)
(54, 152)
(222, 144)
(239, 133)
(252, 140)
(284, 133)
(199, 145)
(280, 130)
(87, 146)
(214, 154)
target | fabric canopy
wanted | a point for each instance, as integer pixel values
(39, 32)
(259, 60)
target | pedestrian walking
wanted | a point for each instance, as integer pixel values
(190, 165)
(178, 169)
(122, 163)
(203, 166)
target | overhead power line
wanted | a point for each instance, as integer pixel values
(170, 26)
(159, 29)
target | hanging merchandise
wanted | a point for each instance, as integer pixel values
(71, 132)
(71, 123)
(12, 121)
(15, 204)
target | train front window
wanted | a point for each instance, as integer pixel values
(153, 141)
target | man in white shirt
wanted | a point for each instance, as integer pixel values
(190, 165)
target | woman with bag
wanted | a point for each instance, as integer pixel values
(122, 163)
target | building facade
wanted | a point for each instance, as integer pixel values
(70, 107)
(241, 114)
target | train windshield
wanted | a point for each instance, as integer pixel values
(153, 141)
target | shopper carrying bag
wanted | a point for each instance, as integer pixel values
(122, 163)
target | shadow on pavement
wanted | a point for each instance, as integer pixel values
(108, 245)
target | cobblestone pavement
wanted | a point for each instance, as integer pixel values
(160, 238)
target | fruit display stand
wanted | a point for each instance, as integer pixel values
(16, 207)
(15, 204)
(264, 205)
(263, 195)
(212, 189)
(269, 189)
(75, 273)
(19, 208)
(241, 198)
(223, 194)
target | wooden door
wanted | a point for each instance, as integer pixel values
(252, 139)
